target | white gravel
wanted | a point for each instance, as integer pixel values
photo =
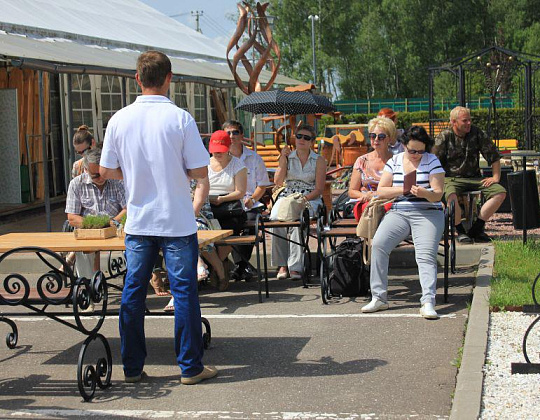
(507, 396)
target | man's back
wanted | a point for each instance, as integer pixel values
(155, 143)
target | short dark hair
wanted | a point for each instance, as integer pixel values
(307, 127)
(233, 123)
(418, 133)
(153, 68)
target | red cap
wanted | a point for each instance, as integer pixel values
(220, 142)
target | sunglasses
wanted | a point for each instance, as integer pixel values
(81, 152)
(415, 152)
(381, 136)
(304, 136)
(233, 132)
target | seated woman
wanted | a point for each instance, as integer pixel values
(203, 213)
(368, 169)
(302, 171)
(418, 212)
(228, 180)
(395, 146)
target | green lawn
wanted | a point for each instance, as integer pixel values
(516, 267)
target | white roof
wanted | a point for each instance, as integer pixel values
(126, 21)
(109, 34)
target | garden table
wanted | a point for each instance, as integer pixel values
(60, 287)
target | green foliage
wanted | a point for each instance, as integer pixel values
(123, 219)
(383, 48)
(509, 125)
(95, 221)
(516, 266)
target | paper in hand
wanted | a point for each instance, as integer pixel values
(408, 181)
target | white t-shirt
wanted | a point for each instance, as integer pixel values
(429, 165)
(154, 143)
(257, 175)
(222, 182)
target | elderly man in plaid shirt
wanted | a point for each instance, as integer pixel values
(89, 193)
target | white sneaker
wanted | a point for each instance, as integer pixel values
(374, 306)
(428, 311)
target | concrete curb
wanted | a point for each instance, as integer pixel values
(468, 395)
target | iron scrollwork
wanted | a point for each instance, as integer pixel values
(60, 286)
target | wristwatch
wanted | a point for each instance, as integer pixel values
(252, 200)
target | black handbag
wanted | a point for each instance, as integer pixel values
(228, 209)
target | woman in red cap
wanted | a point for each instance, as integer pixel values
(228, 182)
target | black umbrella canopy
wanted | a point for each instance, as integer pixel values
(283, 102)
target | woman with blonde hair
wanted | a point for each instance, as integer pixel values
(395, 146)
(368, 168)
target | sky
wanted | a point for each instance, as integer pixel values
(215, 22)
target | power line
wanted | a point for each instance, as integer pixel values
(197, 14)
(216, 26)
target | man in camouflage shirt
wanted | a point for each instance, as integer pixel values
(459, 150)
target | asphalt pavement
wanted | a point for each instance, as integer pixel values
(289, 357)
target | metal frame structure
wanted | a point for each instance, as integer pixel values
(501, 68)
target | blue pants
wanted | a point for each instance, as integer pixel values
(426, 227)
(180, 256)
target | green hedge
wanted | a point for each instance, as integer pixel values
(510, 122)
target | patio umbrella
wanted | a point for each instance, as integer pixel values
(284, 102)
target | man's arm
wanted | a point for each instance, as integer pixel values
(108, 173)
(496, 171)
(75, 220)
(198, 173)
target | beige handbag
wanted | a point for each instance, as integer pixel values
(369, 222)
(288, 209)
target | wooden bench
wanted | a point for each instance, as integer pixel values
(506, 145)
(438, 127)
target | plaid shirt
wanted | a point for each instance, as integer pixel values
(84, 197)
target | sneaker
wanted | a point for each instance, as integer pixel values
(428, 311)
(249, 274)
(236, 273)
(374, 306)
(134, 379)
(482, 237)
(295, 275)
(207, 373)
(463, 238)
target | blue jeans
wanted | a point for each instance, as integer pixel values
(180, 254)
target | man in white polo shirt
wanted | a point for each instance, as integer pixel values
(156, 148)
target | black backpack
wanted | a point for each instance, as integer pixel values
(349, 276)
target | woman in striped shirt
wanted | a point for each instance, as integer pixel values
(417, 211)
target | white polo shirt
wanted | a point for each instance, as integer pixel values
(154, 143)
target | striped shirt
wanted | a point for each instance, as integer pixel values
(429, 165)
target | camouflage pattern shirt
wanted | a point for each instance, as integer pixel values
(460, 157)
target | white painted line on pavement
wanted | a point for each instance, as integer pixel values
(151, 414)
(268, 316)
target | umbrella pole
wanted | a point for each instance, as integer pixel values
(285, 124)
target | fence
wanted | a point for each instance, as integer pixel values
(416, 104)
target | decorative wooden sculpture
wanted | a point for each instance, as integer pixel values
(253, 24)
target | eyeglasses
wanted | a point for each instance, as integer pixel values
(233, 132)
(81, 152)
(304, 136)
(381, 136)
(415, 152)
(94, 176)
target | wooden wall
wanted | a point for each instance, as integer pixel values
(27, 84)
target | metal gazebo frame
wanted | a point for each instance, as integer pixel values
(501, 62)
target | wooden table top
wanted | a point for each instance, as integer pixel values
(65, 241)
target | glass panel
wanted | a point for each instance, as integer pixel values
(86, 100)
(76, 100)
(85, 83)
(116, 102)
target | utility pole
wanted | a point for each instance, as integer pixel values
(197, 15)
(313, 18)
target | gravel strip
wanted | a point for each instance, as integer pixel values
(507, 396)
